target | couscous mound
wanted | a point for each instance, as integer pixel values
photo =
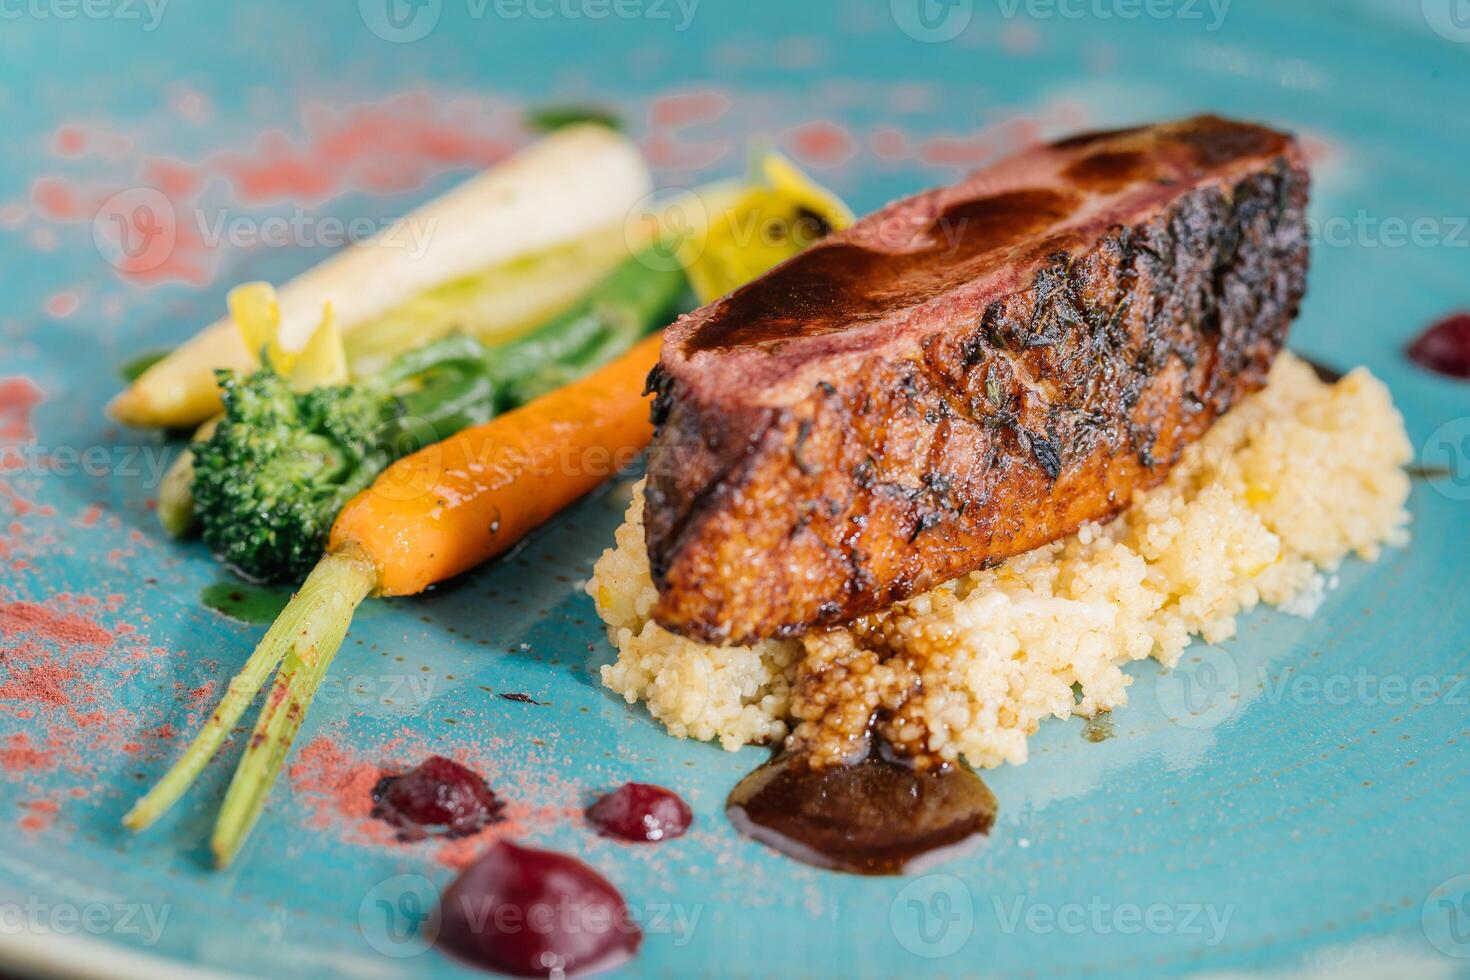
(1290, 482)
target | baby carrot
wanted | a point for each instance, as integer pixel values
(428, 517)
(460, 502)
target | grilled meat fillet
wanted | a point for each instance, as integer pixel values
(967, 374)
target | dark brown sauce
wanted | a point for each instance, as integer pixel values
(874, 817)
(832, 287)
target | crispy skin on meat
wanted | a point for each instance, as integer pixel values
(967, 374)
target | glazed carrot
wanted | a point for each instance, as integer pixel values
(460, 502)
(428, 517)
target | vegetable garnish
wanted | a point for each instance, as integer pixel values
(430, 515)
(132, 370)
(764, 226)
(256, 313)
(294, 444)
(568, 191)
(546, 119)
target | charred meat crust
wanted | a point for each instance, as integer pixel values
(1004, 427)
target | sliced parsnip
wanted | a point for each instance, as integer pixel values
(572, 183)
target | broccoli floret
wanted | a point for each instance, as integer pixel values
(270, 480)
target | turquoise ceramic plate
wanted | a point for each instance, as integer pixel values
(1312, 821)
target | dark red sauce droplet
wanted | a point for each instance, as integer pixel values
(640, 812)
(1444, 347)
(536, 914)
(439, 796)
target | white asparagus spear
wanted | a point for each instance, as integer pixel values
(570, 184)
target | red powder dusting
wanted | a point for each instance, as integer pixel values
(1012, 134)
(20, 754)
(337, 786)
(337, 789)
(823, 144)
(39, 815)
(890, 143)
(70, 141)
(63, 305)
(23, 507)
(176, 179)
(49, 658)
(391, 145)
(56, 199)
(673, 153)
(687, 108)
(19, 397)
(64, 628)
(44, 683)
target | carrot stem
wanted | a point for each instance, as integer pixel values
(309, 630)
